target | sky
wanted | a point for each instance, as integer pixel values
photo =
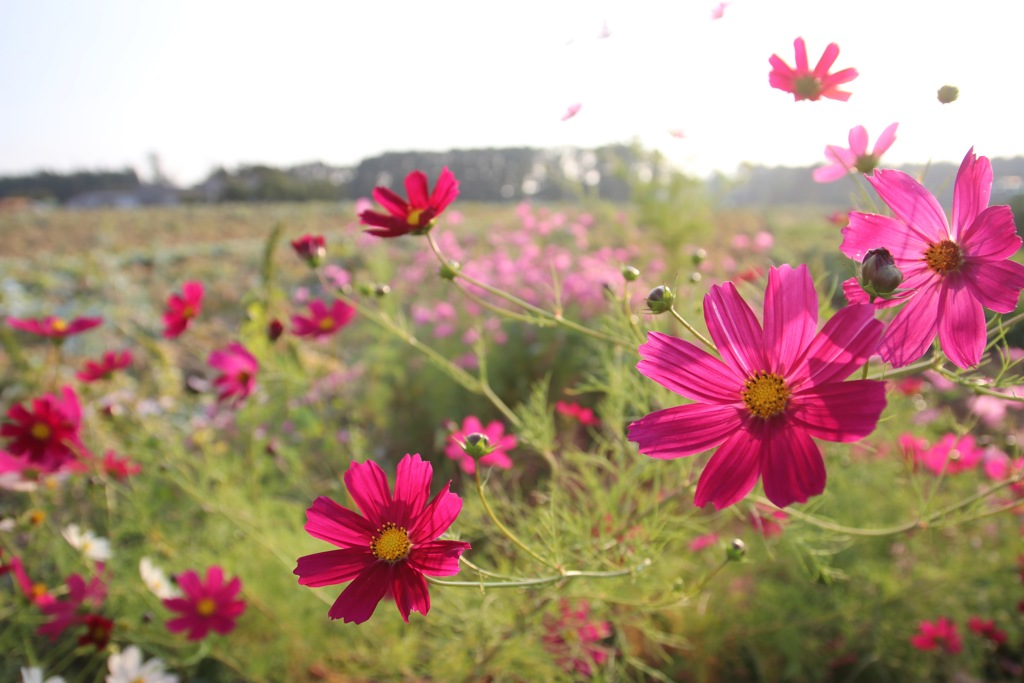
(101, 84)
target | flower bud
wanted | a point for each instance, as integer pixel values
(879, 275)
(382, 290)
(736, 550)
(311, 248)
(948, 93)
(630, 274)
(274, 330)
(477, 445)
(660, 299)
(450, 269)
(699, 256)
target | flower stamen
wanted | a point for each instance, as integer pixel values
(391, 543)
(943, 257)
(766, 394)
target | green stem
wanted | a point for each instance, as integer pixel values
(504, 529)
(682, 321)
(555, 318)
(541, 580)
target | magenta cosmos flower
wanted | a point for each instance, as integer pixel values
(806, 84)
(310, 248)
(238, 372)
(938, 635)
(774, 388)
(54, 327)
(856, 159)
(575, 640)
(495, 433)
(93, 371)
(322, 321)
(416, 216)
(47, 435)
(182, 308)
(205, 606)
(951, 271)
(390, 547)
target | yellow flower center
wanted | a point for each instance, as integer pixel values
(943, 257)
(58, 325)
(206, 607)
(766, 394)
(391, 543)
(414, 217)
(41, 431)
(188, 312)
(327, 324)
(808, 87)
(38, 590)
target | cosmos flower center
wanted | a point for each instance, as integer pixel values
(866, 163)
(326, 324)
(766, 394)
(243, 377)
(391, 543)
(188, 312)
(807, 87)
(40, 431)
(206, 607)
(58, 325)
(943, 257)
(414, 217)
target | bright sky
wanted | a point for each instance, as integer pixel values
(100, 84)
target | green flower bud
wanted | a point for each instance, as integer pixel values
(699, 256)
(660, 299)
(630, 274)
(382, 290)
(736, 550)
(879, 275)
(450, 269)
(948, 93)
(477, 445)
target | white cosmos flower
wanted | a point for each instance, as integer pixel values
(128, 667)
(34, 674)
(156, 580)
(94, 547)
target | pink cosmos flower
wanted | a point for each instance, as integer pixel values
(986, 628)
(585, 416)
(775, 387)
(855, 159)
(702, 542)
(94, 371)
(574, 639)
(416, 216)
(939, 634)
(767, 521)
(310, 248)
(950, 455)
(238, 372)
(48, 434)
(806, 84)
(182, 308)
(81, 601)
(390, 547)
(54, 327)
(35, 592)
(322, 322)
(118, 467)
(571, 111)
(952, 271)
(495, 433)
(207, 605)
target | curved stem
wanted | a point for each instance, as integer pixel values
(555, 318)
(540, 580)
(693, 330)
(504, 529)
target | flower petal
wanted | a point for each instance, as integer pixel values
(358, 601)
(368, 486)
(828, 58)
(829, 174)
(734, 329)
(839, 411)
(437, 517)
(996, 284)
(962, 324)
(791, 466)
(912, 204)
(790, 316)
(689, 371)
(393, 203)
(885, 140)
(909, 335)
(684, 430)
(844, 344)
(333, 566)
(858, 141)
(446, 190)
(731, 472)
(867, 231)
(410, 590)
(328, 521)
(992, 235)
(438, 558)
(800, 48)
(412, 488)
(971, 192)
(417, 188)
